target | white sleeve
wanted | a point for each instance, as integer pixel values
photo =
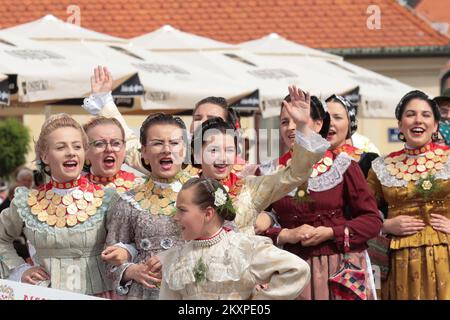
(313, 143)
(16, 273)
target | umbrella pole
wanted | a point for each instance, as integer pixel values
(48, 111)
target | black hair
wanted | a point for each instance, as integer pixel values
(416, 94)
(161, 118)
(215, 123)
(231, 115)
(205, 189)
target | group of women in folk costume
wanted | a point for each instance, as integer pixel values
(108, 233)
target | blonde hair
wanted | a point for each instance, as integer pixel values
(101, 120)
(61, 120)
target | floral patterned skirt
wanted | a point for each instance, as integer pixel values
(420, 273)
(322, 267)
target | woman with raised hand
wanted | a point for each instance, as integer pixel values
(64, 220)
(414, 183)
(214, 147)
(313, 218)
(217, 263)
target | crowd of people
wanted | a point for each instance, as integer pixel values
(323, 221)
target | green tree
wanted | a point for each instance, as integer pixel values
(14, 138)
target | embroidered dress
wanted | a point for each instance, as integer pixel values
(144, 216)
(228, 266)
(66, 226)
(336, 195)
(415, 182)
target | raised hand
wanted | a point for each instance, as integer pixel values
(299, 107)
(101, 81)
(35, 275)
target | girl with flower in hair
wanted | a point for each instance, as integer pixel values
(214, 148)
(64, 220)
(218, 263)
(415, 184)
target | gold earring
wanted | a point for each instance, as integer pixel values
(87, 162)
(47, 168)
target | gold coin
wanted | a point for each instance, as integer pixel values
(111, 185)
(388, 160)
(97, 202)
(407, 177)
(412, 168)
(91, 210)
(41, 195)
(49, 194)
(438, 166)
(429, 155)
(389, 167)
(429, 164)
(32, 200)
(416, 176)
(88, 196)
(401, 157)
(81, 204)
(166, 192)
(394, 171)
(424, 175)
(72, 209)
(99, 193)
(410, 161)
(42, 216)
(399, 175)
(60, 211)
(128, 184)
(145, 204)
(173, 196)
(67, 200)
(421, 168)
(154, 210)
(36, 209)
(421, 160)
(328, 161)
(150, 184)
(322, 168)
(60, 222)
(71, 220)
(121, 189)
(416, 151)
(56, 199)
(51, 210)
(314, 173)
(82, 216)
(34, 193)
(51, 220)
(139, 196)
(148, 193)
(164, 202)
(398, 165)
(444, 159)
(77, 194)
(154, 199)
(404, 168)
(433, 172)
(119, 182)
(439, 152)
(437, 159)
(157, 191)
(44, 203)
(167, 211)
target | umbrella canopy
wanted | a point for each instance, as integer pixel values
(50, 28)
(269, 75)
(378, 94)
(49, 72)
(169, 38)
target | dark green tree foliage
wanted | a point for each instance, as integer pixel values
(14, 139)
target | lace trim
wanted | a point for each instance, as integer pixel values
(24, 211)
(225, 261)
(333, 177)
(389, 181)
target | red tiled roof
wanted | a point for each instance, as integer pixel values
(435, 10)
(316, 23)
